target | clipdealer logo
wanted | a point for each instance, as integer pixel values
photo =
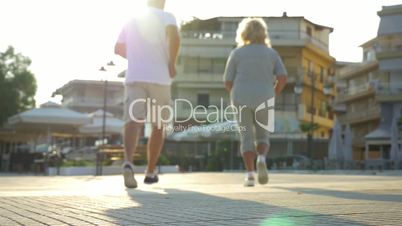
(162, 115)
(270, 106)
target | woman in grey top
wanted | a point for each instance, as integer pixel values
(254, 75)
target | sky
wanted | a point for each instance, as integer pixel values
(72, 39)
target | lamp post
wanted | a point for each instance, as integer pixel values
(105, 86)
(298, 89)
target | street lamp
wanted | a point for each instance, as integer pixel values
(100, 156)
(327, 90)
(110, 64)
(298, 89)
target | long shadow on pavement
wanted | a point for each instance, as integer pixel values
(180, 207)
(347, 194)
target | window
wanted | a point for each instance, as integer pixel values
(322, 74)
(204, 65)
(310, 67)
(190, 64)
(203, 99)
(218, 65)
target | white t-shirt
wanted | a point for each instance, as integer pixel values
(147, 47)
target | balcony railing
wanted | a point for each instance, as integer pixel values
(389, 48)
(354, 92)
(356, 89)
(389, 88)
(91, 102)
(352, 69)
(361, 115)
(273, 34)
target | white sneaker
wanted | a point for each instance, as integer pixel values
(128, 174)
(249, 182)
(262, 172)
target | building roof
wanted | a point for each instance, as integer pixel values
(389, 10)
(356, 69)
(84, 82)
(369, 43)
(198, 24)
(391, 20)
(378, 134)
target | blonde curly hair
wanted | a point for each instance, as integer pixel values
(252, 31)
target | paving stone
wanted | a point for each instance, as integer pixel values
(202, 199)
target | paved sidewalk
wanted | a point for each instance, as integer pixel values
(202, 199)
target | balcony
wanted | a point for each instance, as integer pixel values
(278, 37)
(362, 115)
(91, 102)
(356, 69)
(389, 51)
(322, 118)
(355, 92)
(389, 92)
(199, 80)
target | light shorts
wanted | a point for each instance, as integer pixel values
(149, 102)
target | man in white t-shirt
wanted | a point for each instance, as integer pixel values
(150, 42)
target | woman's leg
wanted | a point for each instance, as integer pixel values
(245, 120)
(249, 160)
(262, 138)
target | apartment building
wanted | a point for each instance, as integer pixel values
(370, 94)
(303, 46)
(88, 96)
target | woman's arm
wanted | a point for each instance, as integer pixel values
(280, 83)
(230, 72)
(228, 85)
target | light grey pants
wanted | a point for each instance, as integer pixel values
(251, 133)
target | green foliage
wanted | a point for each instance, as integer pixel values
(163, 160)
(306, 127)
(17, 84)
(214, 164)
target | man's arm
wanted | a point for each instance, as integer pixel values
(280, 84)
(173, 36)
(120, 49)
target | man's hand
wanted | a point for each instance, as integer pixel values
(172, 70)
(120, 49)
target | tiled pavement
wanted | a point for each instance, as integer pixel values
(202, 199)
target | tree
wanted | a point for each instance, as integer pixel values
(17, 84)
(306, 127)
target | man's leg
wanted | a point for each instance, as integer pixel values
(161, 95)
(155, 144)
(133, 113)
(131, 135)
